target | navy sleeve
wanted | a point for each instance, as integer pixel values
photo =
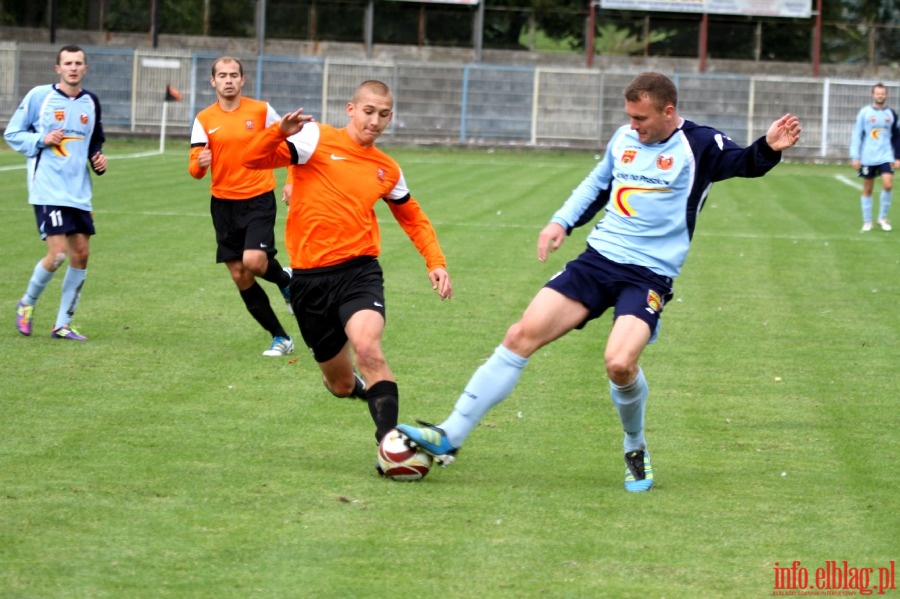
(592, 210)
(98, 138)
(722, 158)
(895, 136)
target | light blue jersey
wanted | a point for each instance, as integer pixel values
(876, 137)
(653, 193)
(58, 175)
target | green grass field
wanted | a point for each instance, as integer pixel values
(167, 458)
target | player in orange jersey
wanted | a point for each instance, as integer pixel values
(332, 237)
(243, 205)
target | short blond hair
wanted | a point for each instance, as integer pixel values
(379, 88)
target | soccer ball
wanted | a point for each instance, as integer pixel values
(399, 461)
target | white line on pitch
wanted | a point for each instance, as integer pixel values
(848, 181)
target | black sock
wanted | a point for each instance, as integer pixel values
(260, 308)
(384, 403)
(275, 274)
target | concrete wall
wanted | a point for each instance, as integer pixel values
(247, 47)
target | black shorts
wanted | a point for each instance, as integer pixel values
(244, 225)
(324, 299)
(599, 284)
(63, 220)
(876, 170)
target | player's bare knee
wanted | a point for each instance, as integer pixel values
(58, 259)
(368, 352)
(340, 388)
(255, 269)
(78, 260)
(256, 264)
(619, 371)
(523, 341)
(515, 338)
(512, 334)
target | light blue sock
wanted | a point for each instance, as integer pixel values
(490, 385)
(36, 285)
(884, 204)
(866, 203)
(71, 293)
(631, 402)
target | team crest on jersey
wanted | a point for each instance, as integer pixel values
(664, 162)
(249, 125)
(654, 301)
(381, 175)
(628, 156)
(84, 119)
(59, 115)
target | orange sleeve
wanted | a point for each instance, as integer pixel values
(267, 150)
(194, 168)
(418, 228)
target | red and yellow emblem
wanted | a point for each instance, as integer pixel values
(59, 114)
(61, 149)
(622, 195)
(654, 301)
(664, 162)
(621, 199)
(628, 156)
(84, 119)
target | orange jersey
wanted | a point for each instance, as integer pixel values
(337, 183)
(227, 134)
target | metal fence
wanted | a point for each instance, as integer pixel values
(459, 104)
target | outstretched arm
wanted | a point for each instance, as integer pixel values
(783, 133)
(291, 123)
(267, 149)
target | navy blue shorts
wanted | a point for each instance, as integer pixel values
(324, 299)
(870, 172)
(599, 284)
(244, 225)
(63, 220)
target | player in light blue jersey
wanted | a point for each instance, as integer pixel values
(59, 128)
(875, 151)
(653, 181)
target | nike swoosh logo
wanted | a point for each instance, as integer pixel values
(379, 304)
(211, 131)
(336, 157)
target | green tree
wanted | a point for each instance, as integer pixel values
(229, 18)
(859, 21)
(614, 41)
(850, 25)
